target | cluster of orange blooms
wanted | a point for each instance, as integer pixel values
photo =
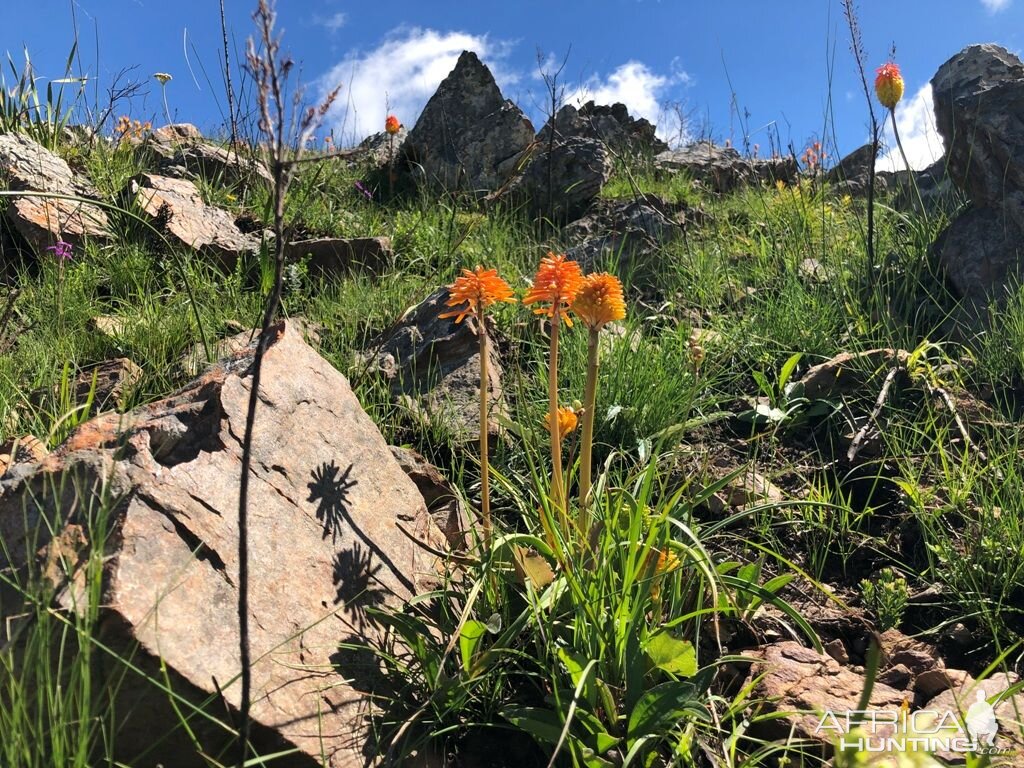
(562, 292)
(559, 285)
(813, 157)
(126, 128)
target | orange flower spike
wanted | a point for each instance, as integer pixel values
(567, 421)
(599, 300)
(556, 284)
(889, 85)
(391, 125)
(476, 289)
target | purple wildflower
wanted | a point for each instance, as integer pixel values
(362, 188)
(62, 250)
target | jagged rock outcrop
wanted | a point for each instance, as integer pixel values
(560, 182)
(979, 111)
(25, 166)
(850, 175)
(612, 125)
(723, 169)
(326, 507)
(468, 137)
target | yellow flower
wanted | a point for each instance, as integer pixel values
(889, 85)
(556, 283)
(476, 289)
(599, 300)
(162, 77)
(567, 421)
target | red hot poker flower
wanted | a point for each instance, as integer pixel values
(476, 289)
(556, 284)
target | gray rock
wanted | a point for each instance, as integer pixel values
(176, 206)
(25, 166)
(326, 503)
(723, 169)
(468, 136)
(433, 364)
(560, 182)
(335, 257)
(979, 111)
(443, 502)
(612, 125)
(181, 147)
(627, 233)
(850, 175)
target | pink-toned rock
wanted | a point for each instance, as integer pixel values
(327, 501)
(26, 166)
(802, 685)
(176, 206)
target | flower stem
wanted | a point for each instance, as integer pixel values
(910, 172)
(485, 474)
(557, 489)
(587, 438)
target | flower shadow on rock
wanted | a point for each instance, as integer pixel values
(356, 579)
(331, 490)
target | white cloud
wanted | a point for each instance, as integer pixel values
(334, 22)
(399, 76)
(644, 92)
(995, 6)
(915, 119)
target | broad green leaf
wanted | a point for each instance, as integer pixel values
(469, 639)
(544, 725)
(787, 369)
(663, 707)
(672, 654)
(578, 667)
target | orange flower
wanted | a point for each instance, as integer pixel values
(556, 283)
(889, 85)
(567, 421)
(477, 289)
(599, 300)
(391, 125)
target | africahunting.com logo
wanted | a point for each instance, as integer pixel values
(924, 730)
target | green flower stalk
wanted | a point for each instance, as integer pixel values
(474, 292)
(598, 302)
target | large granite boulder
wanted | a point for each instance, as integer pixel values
(560, 181)
(468, 137)
(723, 169)
(327, 507)
(979, 111)
(25, 166)
(612, 125)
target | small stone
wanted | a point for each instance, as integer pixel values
(837, 650)
(897, 676)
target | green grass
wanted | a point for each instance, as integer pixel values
(628, 651)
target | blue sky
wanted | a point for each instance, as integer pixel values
(648, 53)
